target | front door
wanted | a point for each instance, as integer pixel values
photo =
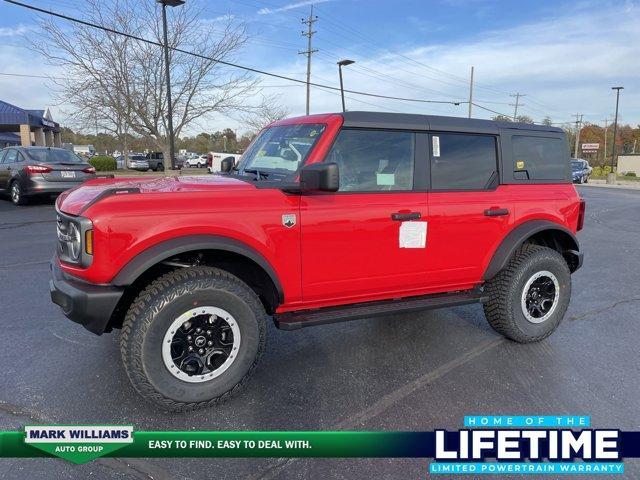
(364, 242)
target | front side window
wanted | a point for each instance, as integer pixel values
(540, 158)
(279, 151)
(463, 162)
(374, 160)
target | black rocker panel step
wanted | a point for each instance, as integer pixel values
(343, 313)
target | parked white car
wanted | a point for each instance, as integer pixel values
(199, 161)
(218, 157)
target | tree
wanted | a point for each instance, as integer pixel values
(524, 119)
(120, 81)
(270, 110)
(502, 118)
(547, 121)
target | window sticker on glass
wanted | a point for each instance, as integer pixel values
(519, 165)
(436, 146)
(385, 179)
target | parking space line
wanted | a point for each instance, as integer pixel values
(372, 411)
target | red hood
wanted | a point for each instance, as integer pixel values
(74, 201)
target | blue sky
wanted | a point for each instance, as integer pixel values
(563, 55)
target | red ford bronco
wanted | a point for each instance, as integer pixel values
(326, 218)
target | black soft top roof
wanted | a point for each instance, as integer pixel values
(411, 121)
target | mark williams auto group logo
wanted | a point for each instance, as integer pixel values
(527, 445)
(78, 444)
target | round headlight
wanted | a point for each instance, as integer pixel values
(75, 243)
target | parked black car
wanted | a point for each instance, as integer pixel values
(156, 161)
(29, 171)
(580, 170)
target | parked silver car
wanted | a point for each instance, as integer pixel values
(30, 171)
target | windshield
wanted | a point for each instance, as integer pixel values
(576, 166)
(281, 150)
(53, 155)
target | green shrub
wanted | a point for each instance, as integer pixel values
(630, 174)
(103, 163)
(597, 172)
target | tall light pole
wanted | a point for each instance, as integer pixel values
(471, 93)
(165, 4)
(343, 63)
(615, 126)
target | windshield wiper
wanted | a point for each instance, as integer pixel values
(258, 173)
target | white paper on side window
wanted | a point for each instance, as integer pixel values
(436, 146)
(413, 234)
(386, 179)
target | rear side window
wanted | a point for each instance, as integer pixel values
(11, 156)
(374, 160)
(539, 158)
(463, 162)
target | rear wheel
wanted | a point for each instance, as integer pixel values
(192, 338)
(529, 297)
(159, 167)
(17, 195)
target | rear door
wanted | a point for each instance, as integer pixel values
(351, 247)
(469, 212)
(10, 156)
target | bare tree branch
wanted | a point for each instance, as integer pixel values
(119, 83)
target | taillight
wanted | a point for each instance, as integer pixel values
(583, 206)
(32, 169)
(89, 170)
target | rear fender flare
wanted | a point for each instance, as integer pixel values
(519, 235)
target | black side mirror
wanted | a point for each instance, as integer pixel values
(320, 177)
(227, 164)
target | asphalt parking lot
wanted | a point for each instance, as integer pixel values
(406, 372)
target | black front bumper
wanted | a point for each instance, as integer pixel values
(89, 305)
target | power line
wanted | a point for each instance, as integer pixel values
(222, 62)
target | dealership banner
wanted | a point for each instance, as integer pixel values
(487, 444)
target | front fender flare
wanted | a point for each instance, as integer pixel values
(169, 248)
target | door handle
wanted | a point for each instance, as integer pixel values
(496, 212)
(402, 217)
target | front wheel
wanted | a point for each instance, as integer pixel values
(192, 338)
(529, 297)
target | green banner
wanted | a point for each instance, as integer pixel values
(63, 442)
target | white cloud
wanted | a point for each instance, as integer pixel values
(565, 63)
(16, 31)
(291, 6)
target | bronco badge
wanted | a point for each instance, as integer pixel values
(289, 220)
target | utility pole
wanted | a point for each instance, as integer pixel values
(471, 93)
(615, 127)
(517, 104)
(309, 33)
(606, 127)
(578, 128)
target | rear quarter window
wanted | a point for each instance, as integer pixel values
(539, 158)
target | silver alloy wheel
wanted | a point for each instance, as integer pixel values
(197, 341)
(540, 296)
(15, 192)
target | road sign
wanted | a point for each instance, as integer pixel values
(590, 147)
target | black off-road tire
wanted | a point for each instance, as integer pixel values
(158, 305)
(503, 310)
